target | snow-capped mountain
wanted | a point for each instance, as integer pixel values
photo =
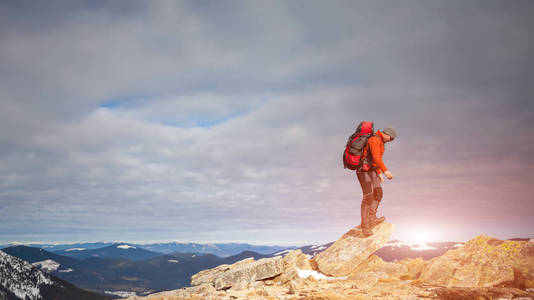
(21, 280)
(44, 260)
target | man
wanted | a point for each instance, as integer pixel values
(370, 180)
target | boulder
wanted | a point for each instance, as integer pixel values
(293, 262)
(483, 262)
(376, 264)
(204, 291)
(257, 270)
(366, 280)
(250, 273)
(209, 275)
(415, 266)
(348, 252)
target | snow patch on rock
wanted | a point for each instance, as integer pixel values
(317, 275)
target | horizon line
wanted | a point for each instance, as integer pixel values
(148, 242)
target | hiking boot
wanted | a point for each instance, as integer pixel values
(377, 221)
(353, 232)
(366, 232)
(372, 212)
(374, 222)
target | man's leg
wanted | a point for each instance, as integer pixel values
(377, 198)
(367, 217)
(367, 202)
(376, 201)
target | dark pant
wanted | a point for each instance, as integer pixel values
(372, 195)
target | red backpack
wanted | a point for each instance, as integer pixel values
(352, 156)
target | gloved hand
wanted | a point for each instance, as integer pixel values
(388, 174)
(381, 178)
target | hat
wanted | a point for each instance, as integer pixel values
(392, 132)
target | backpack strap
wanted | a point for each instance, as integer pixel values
(368, 146)
(369, 155)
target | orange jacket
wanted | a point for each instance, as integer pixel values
(376, 144)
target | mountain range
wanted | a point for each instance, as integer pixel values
(121, 250)
(219, 249)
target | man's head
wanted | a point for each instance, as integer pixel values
(390, 134)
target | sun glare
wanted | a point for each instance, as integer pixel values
(420, 237)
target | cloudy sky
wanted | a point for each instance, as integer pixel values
(220, 121)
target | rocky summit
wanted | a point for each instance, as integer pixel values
(351, 250)
(484, 268)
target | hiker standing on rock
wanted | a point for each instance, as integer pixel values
(363, 153)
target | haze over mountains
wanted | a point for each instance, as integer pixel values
(219, 249)
(121, 250)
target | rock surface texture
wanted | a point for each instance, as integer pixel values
(484, 268)
(347, 253)
(249, 272)
(483, 262)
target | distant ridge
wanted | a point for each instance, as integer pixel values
(219, 249)
(119, 250)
